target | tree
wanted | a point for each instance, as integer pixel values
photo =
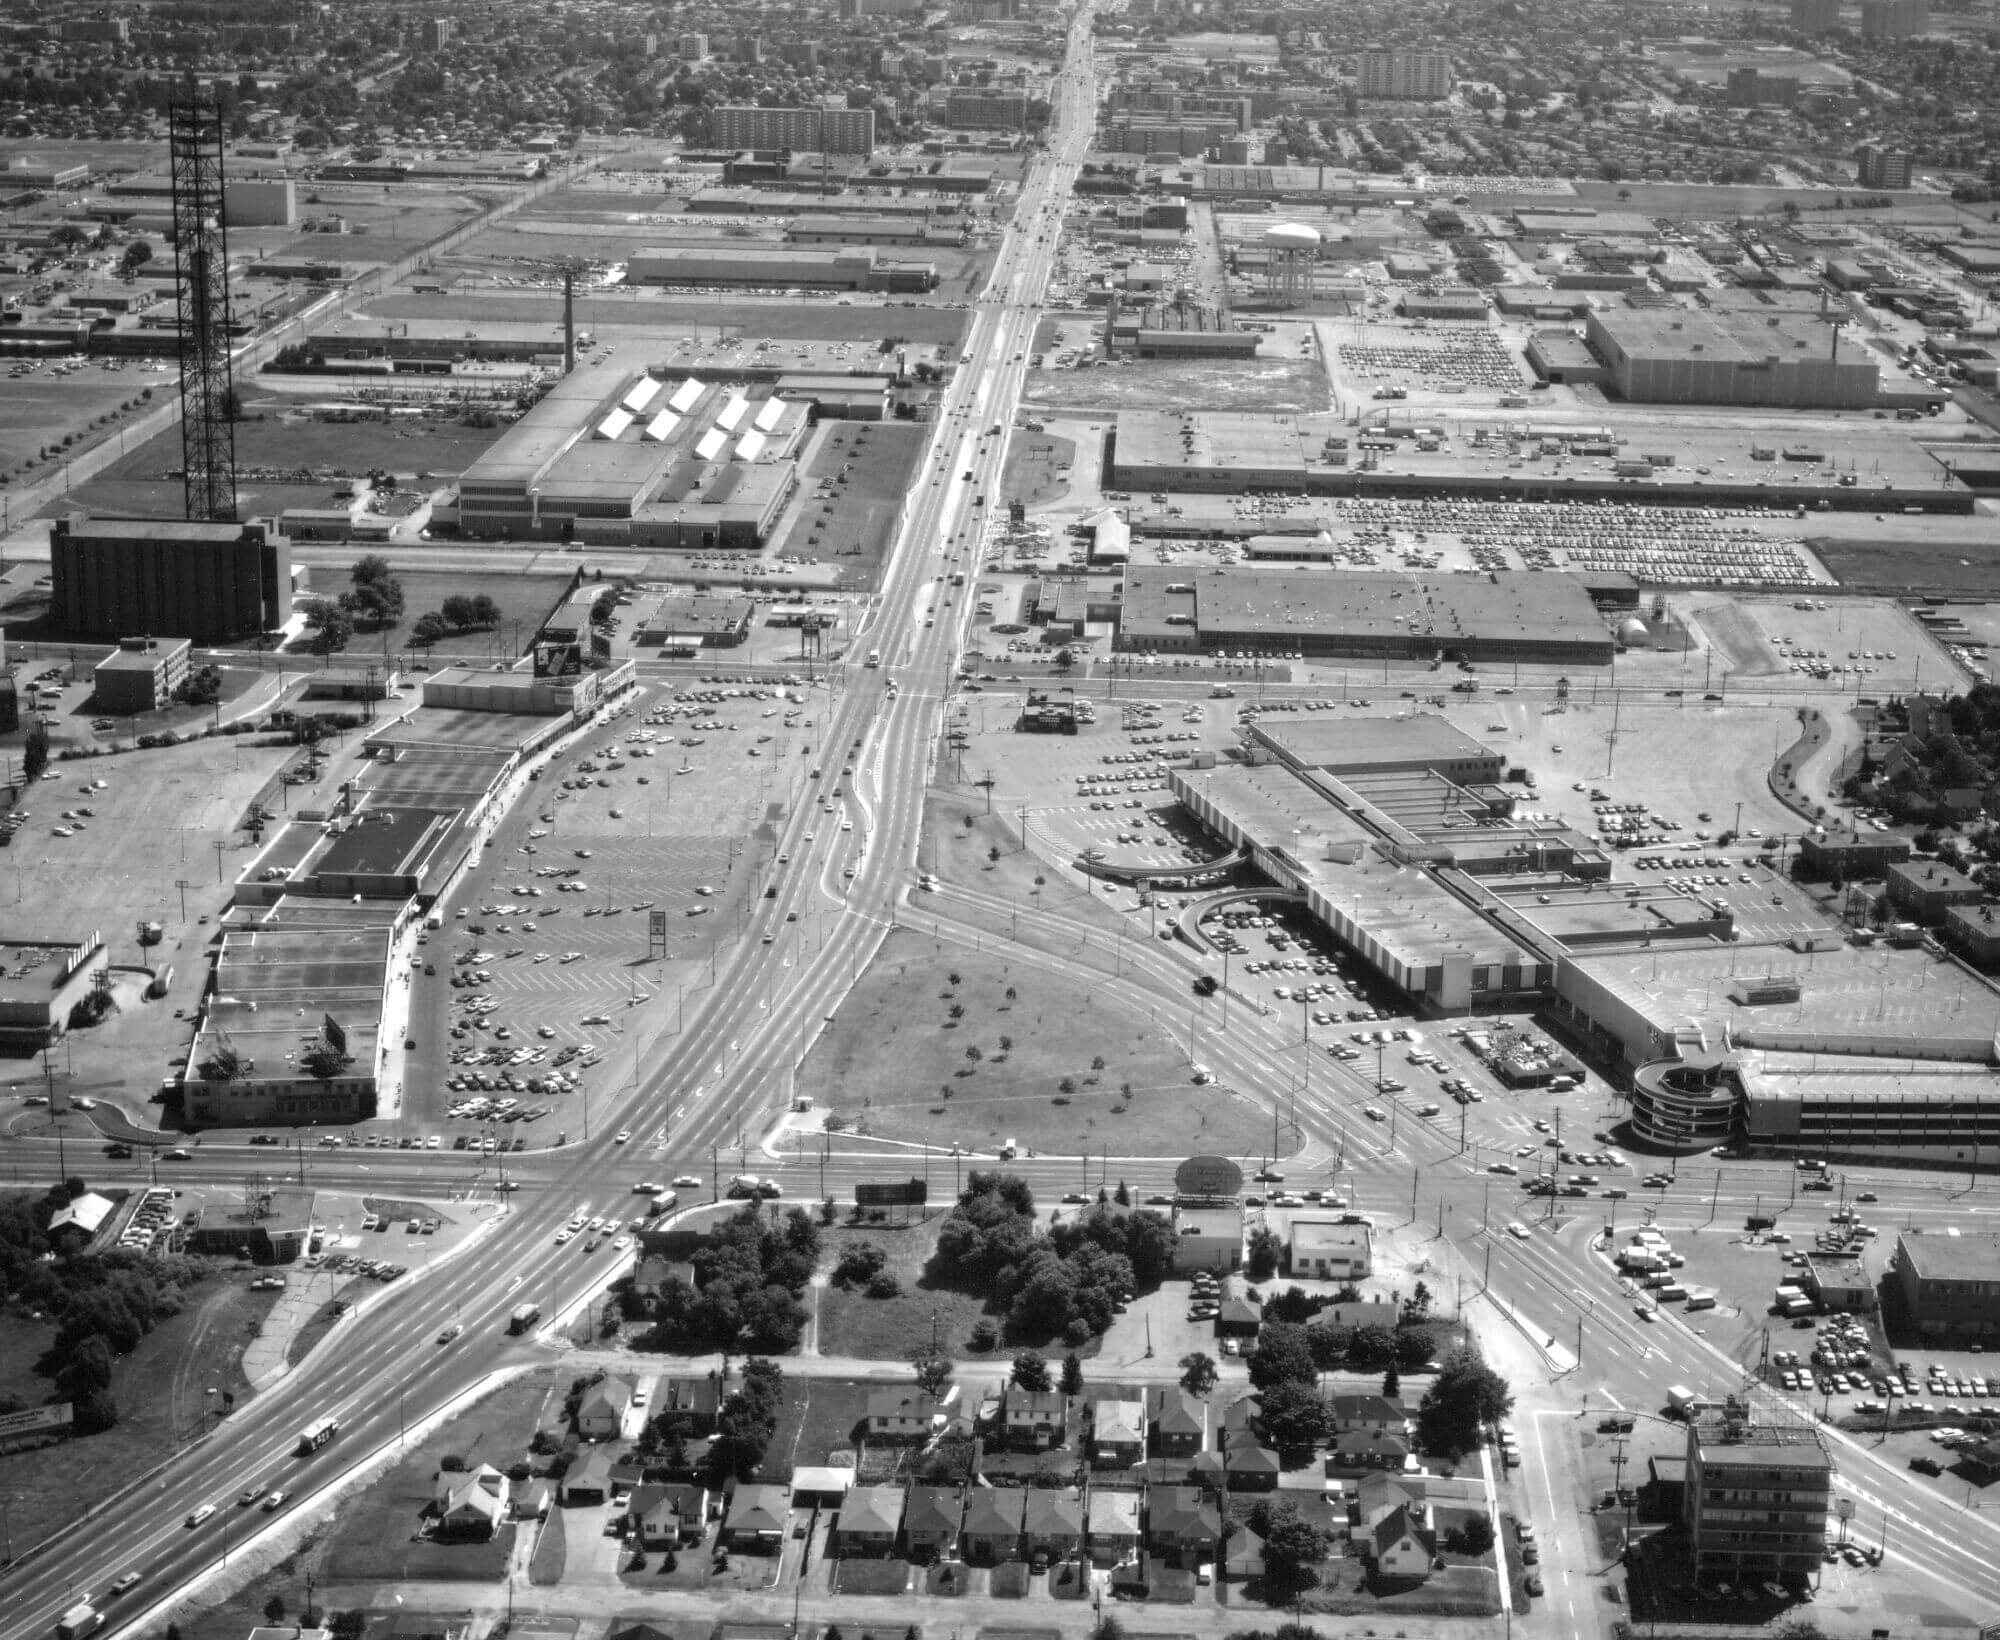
(1072, 1374)
(1418, 1305)
(136, 255)
(1282, 1356)
(35, 751)
(323, 1061)
(1265, 1248)
(376, 596)
(1371, 1349)
(1006, 1044)
(224, 1065)
(1473, 1536)
(274, 1609)
(1294, 1416)
(933, 1373)
(1197, 1373)
(1124, 1195)
(1415, 1346)
(331, 626)
(429, 628)
(973, 1054)
(1465, 1395)
(1031, 1372)
(1293, 1549)
(1392, 1384)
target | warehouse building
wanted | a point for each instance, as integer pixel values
(140, 675)
(1681, 356)
(212, 583)
(852, 267)
(41, 982)
(873, 230)
(1282, 610)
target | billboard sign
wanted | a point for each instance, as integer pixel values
(1208, 1176)
(556, 659)
(37, 1421)
(334, 1032)
(904, 1193)
(656, 925)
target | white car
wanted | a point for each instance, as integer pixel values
(624, 1136)
(1517, 1230)
(200, 1515)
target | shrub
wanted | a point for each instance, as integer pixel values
(883, 1284)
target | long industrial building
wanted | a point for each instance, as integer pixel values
(851, 267)
(1286, 610)
(1680, 356)
(213, 583)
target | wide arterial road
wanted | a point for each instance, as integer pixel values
(384, 1367)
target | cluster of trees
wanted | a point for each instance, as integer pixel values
(1464, 1397)
(102, 1304)
(1288, 1350)
(1063, 1283)
(1286, 1365)
(863, 1264)
(744, 1425)
(375, 599)
(476, 613)
(201, 687)
(748, 1277)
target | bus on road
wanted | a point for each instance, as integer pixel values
(315, 1436)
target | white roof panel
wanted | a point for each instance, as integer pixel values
(750, 446)
(732, 412)
(662, 426)
(614, 424)
(640, 394)
(711, 444)
(685, 396)
(769, 414)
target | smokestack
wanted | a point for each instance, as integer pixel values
(569, 320)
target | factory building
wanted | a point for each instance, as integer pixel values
(1283, 610)
(212, 583)
(853, 267)
(825, 130)
(1678, 356)
(1404, 76)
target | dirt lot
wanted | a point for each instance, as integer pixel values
(1275, 383)
(819, 1418)
(1033, 473)
(159, 1389)
(925, 1086)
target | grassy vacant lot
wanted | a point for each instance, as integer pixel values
(819, 1418)
(895, 1037)
(525, 601)
(159, 1391)
(1898, 564)
(1031, 474)
(893, 1329)
(38, 410)
(375, 1540)
(1297, 384)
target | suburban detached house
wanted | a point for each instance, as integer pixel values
(1377, 1414)
(1245, 1412)
(1403, 1545)
(1360, 1451)
(1114, 1526)
(870, 1519)
(471, 1503)
(992, 1531)
(1034, 1419)
(1243, 1554)
(930, 1521)
(696, 1400)
(1378, 1496)
(1180, 1423)
(1182, 1525)
(1052, 1524)
(668, 1516)
(588, 1480)
(600, 1415)
(901, 1415)
(1118, 1432)
(757, 1517)
(1245, 1465)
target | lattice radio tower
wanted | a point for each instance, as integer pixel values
(201, 283)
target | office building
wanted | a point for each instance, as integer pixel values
(1894, 19)
(824, 130)
(1815, 16)
(1757, 1496)
(140, 675)
(1405, 76)
(1949, 1284)
(213, 583)
(692, 48)
(436, 31)
(1879, 167)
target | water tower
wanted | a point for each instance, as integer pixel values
(1291, 250)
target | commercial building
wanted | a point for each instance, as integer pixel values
(1722, 356)
(1274, 609)
(1753, 88)
(1758, 1496)
(560, 692)
(982, 110)
(1948, 1285)
(852, 267)
(1894, 19)
(212, 583)
(29, 173)
(826, 130)
(694, 621)
(1352, 746)
(1327, 1250)
(42, 981)
(1879, 167)
(1924, 890)
(1403, 76)
(814, 229)
(140, 675)
(1815, 16)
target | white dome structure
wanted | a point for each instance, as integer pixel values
(1290, 250)
(1294, 234)
(1632, 633)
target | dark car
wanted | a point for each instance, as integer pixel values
(1533, 1584)
(1926, 1465)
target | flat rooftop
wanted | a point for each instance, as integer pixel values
(1736, 335)
(381, 842)
(1940, 1257)
(446, 729)
(1358, 743)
